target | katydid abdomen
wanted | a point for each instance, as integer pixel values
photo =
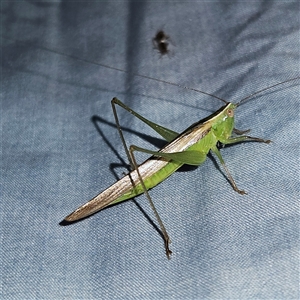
(127, 187)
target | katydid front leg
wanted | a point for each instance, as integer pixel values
(240, 132)
(234, 140)
(244, 138)
(218, 153)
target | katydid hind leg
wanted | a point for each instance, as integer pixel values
(193, 158)
(134, 164)
(166, 133)
(161, 225)
(121, 133)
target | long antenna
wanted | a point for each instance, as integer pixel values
(266, 88)
(116, 69)
(149, 77)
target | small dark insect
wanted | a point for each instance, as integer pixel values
(161, 42)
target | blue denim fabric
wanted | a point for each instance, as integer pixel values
(60, 148)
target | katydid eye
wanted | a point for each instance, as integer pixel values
(230, 113)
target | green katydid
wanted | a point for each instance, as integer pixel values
(189, 147)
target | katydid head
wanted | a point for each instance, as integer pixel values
(227, 120)
(222, 121)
